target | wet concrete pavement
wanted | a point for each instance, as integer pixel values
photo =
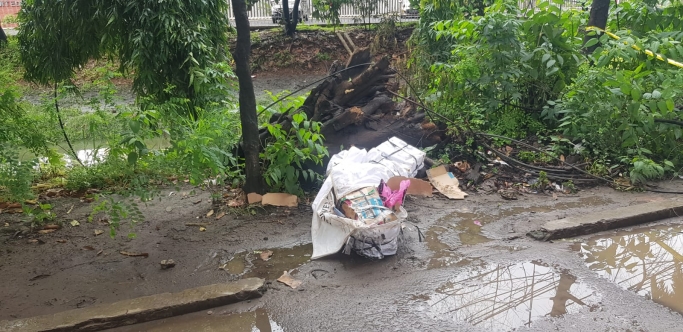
(475, 271)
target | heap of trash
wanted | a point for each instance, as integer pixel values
(360, 204)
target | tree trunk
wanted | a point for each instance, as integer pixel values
(3, 36)
(247, 100)
(290, 21)
(598, 18)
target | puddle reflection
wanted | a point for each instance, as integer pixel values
(504, 297)
(647, 261)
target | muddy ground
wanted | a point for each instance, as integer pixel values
(461, 277)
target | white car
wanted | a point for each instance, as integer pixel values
(276, 10)
(407, 11)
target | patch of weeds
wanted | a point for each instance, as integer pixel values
(40, 214)
(531, 157)
(322, 56)
(569, 185)
(542, 182)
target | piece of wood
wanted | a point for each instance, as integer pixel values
(280, 199)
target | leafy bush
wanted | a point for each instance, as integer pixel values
(286, 155)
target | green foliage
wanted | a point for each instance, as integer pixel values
(16, 176)
(285, 156)
(39, 214)
(176, 44)
(118, 211)
(523, 73)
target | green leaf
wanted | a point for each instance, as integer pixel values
(591, 42)
(132, 158)
(550, 63)
(545, 57)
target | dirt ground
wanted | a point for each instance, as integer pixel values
(74, 268)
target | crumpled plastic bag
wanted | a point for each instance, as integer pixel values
(393, 198)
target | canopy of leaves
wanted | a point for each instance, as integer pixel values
(171, 47)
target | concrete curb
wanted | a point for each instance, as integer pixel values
(608, 219)
(142, 309)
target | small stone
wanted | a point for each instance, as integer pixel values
(265, 238)
(209, 312)
(167, 264)
(169, 208)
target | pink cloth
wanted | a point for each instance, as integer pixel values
(393, 198)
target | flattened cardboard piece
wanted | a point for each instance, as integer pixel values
(445, 182)
(254, 198)
(417, 187)
(280, 199)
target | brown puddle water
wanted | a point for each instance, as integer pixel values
(249, 264)
(257, 320)
(504, 297)
(648, 261)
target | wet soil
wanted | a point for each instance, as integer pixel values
(533, 285)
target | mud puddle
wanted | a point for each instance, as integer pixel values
(250, 264)
(505, 297)
(468, 226)
(258, 320)
(648, 261)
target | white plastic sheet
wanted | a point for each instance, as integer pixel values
(351, 170)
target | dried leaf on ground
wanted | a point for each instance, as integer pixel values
(288, 280)
(46, 231)
(75, 223)
(220, 215)
(202, 229)
(197, 202)
(265, 255)
(134, 254)
(98, 232)
(88, 248)
(71, 208)
(31, 201)
(6, 224)
(462, 166)
(52, 226)
(209, 214)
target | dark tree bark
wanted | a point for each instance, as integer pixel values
(247, 99)
(3, 36)
(290, 21)
(598, 18)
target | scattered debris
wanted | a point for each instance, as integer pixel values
(75, 223)
(71, 208)
(462, 166)
(99, 252)
(88, 248)
(220, 215)
(288, 280)
(46, 231)
(445, 182)
(265, 255)
(477, 222)
(98, 232)
(417, 187)
(52, 226)
(6, 224)
(167, 264)
(197, 202)
(209, 312)
(202, 229)
(508, 195)
(34, 241)
(254, 198)
(134, 254)
(209, 214)
(280, 199)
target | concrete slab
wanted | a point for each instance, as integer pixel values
(608, 219)
(141, 309)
